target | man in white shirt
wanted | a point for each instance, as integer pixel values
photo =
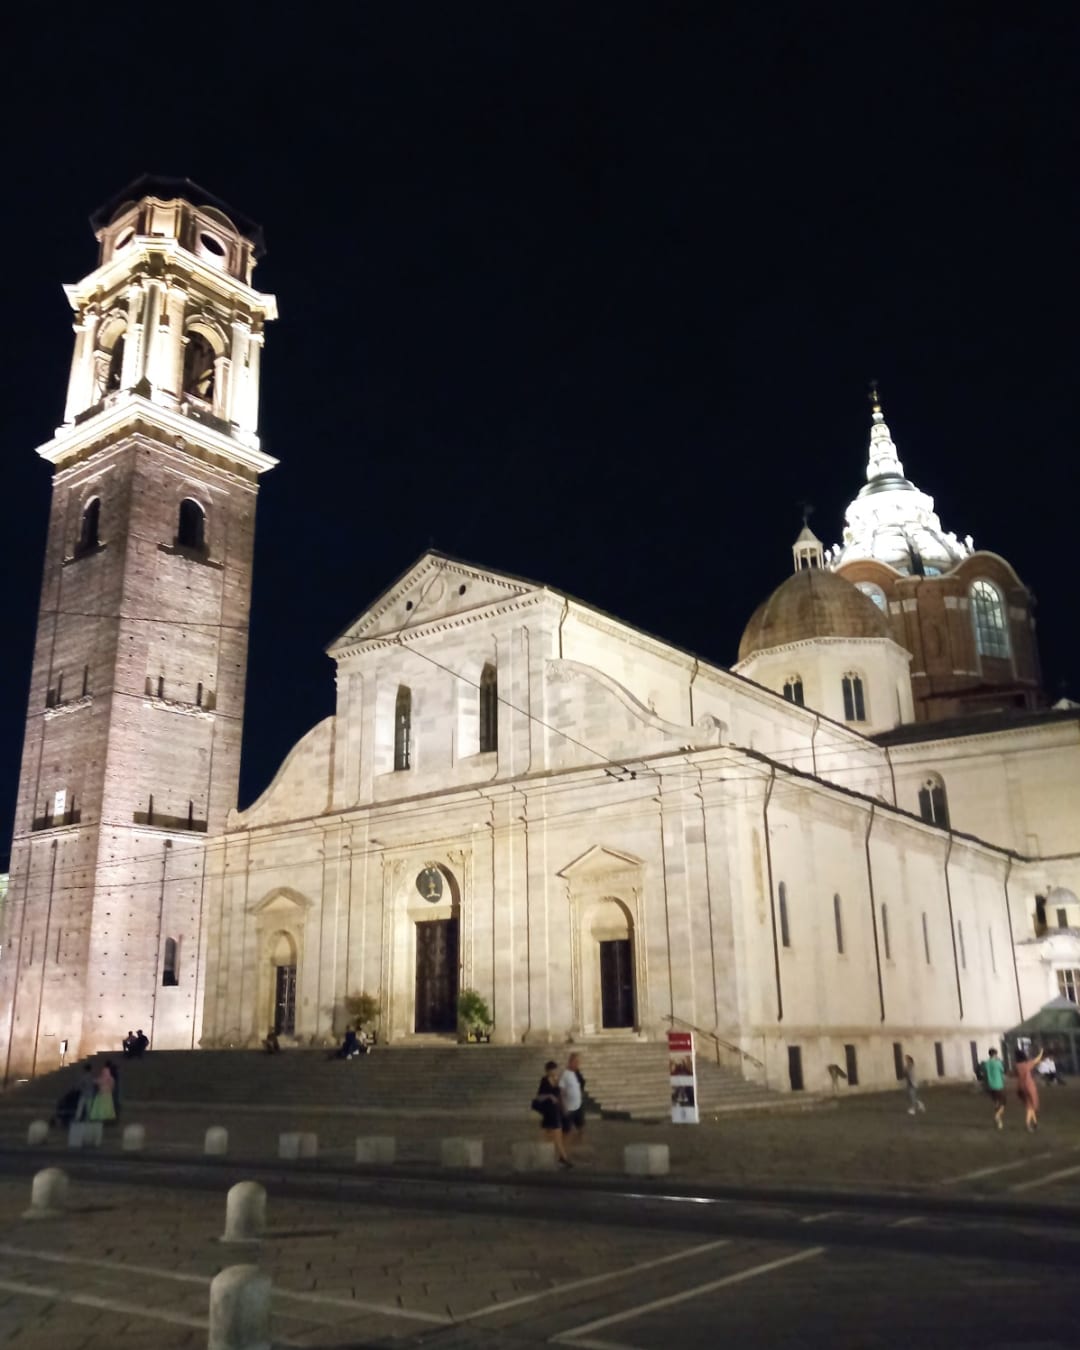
(572, 1092)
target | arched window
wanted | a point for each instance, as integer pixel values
(839, 921)
(403, 728)
(88, 528)
(115, 367)
(191, 525)
(169, 969)
(489, 709)
(854, 703)
(874, 591)
(933, 805)
(199, 359)
(793, 690)
(785, 930)
(988, 616)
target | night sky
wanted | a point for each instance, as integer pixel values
(588, 292)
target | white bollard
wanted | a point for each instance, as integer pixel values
(646, 1160)
(37, 1133)
(288, 1145)
(245, 1212)
(533, 1156)
(309, 1145)
(48, 1194)
(379, 1149)
(240, 1309)
(462, 1153)
(133, 1138)
(217, 1140)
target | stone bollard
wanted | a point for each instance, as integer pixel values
(37, 1133)
(240, 1308)
(245, 1212)
(379, 1149)
(288, 1145)
(133, 1138)
(533, 1156)
(646, 1160)
(309, 1145)
(48, 1194)
(217, 1140)
(462, 1153)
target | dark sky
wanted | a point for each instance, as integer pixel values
(589, 292)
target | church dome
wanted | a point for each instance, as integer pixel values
(812, 603)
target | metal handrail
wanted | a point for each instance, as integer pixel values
(720, 1042)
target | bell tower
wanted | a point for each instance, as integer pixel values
(132, 747)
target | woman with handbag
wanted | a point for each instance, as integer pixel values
(548, 1102)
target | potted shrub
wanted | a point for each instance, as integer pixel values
(363, 1009)
(474, 1018)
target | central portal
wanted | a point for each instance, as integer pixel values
(436, 975)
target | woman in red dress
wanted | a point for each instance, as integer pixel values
(1027, 1089)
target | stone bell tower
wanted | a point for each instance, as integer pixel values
(132, 748)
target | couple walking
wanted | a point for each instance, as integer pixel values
(560, 1100)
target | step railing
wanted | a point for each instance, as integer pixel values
(719, 1043)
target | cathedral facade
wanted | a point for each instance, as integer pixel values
(859, 842)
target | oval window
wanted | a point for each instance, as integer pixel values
(212, 245)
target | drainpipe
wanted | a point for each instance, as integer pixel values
(873, 909)
(1012, 940)
(813, 746)
(693, 677)
(892, 773)
(952, 929)
(160, 922)
(772, 897)
(562, 620)
(44, 959)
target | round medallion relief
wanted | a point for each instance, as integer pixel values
(429, 883)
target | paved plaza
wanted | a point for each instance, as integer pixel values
(856, 1227)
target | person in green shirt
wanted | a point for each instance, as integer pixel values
(994, 1078)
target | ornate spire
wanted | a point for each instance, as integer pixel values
(883, 457)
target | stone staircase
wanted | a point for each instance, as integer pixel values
(626, 1079)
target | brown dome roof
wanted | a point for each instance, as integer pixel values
(813, 603)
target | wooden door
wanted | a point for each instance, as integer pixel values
(436, 975)
(285, 1001)
(617, 983)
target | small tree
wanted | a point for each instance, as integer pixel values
(473, 1013)
(362, 1008)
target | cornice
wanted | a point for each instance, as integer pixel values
(403, 637)
(133, 412)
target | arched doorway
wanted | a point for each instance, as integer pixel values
(611, 932)
(437, 942)
(283, 985)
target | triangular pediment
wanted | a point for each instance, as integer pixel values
(434, 588)
(283, 900)
(599, 860)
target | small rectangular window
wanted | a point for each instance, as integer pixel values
(898, 1059)
(939, 1058)
(794, 1067)
(851, 1064)
(1069, 985)
(59, 803)
(1063, 918)
(785, 931)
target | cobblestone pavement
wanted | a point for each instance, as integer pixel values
(866, 1142)
(940, 1258)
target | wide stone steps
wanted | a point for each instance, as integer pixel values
(628, 1079)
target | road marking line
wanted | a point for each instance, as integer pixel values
(57, 1295)
(1045, 1181)
(908, 1222)
(558, 1289)
(1000, 1167)
(825, 1214)
(571, 1336)
(180, 1277)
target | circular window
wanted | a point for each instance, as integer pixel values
(124, 238)
(212, 245)
(461, 590)
(408, 604)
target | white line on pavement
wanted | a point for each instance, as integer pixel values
(989, 1171)
(1045, 1181)
(557, 1290)
(571, 1337)
(908, 1222)
(825, 1214)
(360, 1305)
(57, 1295)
